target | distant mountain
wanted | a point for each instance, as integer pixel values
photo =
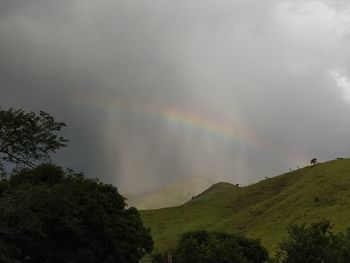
(170, 195)
(262, 210)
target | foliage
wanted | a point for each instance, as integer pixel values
(218, 247)
(27, 139)
(160, 258)
(313, 244)
(313, 161)
(48, 215)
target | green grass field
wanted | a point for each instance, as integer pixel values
(262, 210)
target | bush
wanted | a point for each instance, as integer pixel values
(218, 247)
(314, 244)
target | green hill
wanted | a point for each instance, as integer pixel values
(261, 210)
(171, 195)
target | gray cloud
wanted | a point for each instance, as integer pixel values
(264, 67)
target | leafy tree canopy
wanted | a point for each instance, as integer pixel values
(48, 215)
(217, 247)
(314, 244)
(27, 139)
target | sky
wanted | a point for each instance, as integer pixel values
(155, 91)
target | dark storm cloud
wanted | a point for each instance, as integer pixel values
(278, 69)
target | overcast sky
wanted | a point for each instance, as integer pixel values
(153, 91)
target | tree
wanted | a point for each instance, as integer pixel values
(27, 139)
(313, 161)
(48, 215)
(218, 247)
(314, 244)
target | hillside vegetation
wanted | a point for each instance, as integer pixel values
(170, 195)
(262, 210)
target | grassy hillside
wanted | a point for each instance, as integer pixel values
(170, 195)
(261, 210)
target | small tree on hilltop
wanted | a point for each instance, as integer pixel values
(313, 161)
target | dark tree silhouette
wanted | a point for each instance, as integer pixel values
(27, 139)
(313, 161)
(48, 215)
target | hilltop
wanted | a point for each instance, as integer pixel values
(260, 210)
(170, 195)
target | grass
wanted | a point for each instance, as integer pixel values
(262, 210)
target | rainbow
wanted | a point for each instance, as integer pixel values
(195, 121)
(228, 131)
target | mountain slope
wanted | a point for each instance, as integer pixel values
(261, 210)
(170, 195)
